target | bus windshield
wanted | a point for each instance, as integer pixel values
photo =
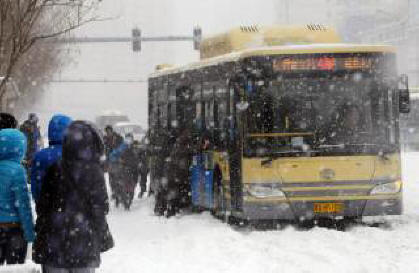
(347, 113)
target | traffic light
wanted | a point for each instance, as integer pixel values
(197, 37)
(136, 39)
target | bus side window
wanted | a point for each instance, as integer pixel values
(171, 108)
(198, 107)
(169, 116)
(207, 105)
(220, 117)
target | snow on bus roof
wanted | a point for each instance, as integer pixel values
(277, 50)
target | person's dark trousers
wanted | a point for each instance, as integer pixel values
(118, 191)
(128, 195)
(161, 202)
(13, 246)
(143, 185)
(113, 180)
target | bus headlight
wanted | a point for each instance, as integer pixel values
(264, 190)
(388, 188)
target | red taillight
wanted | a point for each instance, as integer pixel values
(326, 63)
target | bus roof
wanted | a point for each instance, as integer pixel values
(246, 37)
(278, 50)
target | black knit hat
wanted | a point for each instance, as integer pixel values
(7, 121)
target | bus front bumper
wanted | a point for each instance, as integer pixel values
(304, 209)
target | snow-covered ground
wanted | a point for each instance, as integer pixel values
(200, 243)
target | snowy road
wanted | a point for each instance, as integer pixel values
(200, 243)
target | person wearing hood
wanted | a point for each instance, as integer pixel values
(7, 121)
(127, 156)
(16, 225)
(179, 191)
(48, 156)
(71, 226)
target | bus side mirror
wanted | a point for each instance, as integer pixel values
(404, 95)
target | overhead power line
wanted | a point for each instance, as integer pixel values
(99, 80)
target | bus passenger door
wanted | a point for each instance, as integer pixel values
(202, 173)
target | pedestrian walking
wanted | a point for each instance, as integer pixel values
(46, 157)
(128, 159)
(33, 135)
(16, 225)
(163, 144)
(71, 226)
(143, 168)
(178, 183)
(112, 140)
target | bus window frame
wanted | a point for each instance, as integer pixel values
(207, 105)
(220, 115)
(197, 100)
(183, 102)
(171, 104)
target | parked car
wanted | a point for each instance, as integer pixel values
(124, 128)
(110, 118)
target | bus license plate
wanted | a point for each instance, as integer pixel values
(328, 207)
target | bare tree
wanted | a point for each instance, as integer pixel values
(24, 23)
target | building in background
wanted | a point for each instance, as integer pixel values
(393, 22)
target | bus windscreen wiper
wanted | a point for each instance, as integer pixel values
(382, 148)
(276, 155)
(343, 145)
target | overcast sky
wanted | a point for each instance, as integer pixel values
(154, 18)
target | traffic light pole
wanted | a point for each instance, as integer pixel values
(136, 39)
(125, 39)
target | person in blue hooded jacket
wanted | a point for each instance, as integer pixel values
(16, 224)
(48, 156)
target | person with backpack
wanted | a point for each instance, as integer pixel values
(128, 158)
(71, 227)
(48, 156)
(16, 225)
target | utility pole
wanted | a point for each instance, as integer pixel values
(136, 39)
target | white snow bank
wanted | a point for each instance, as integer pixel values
(200, 243)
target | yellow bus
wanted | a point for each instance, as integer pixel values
(300, 125)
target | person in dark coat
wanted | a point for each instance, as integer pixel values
(7, 121)
(163, 144)
(178, 183)
(16, 225)
(48, 156)
(112, 140)
(71, 227)
(33, 135)
(143, 169)
(128, 158)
